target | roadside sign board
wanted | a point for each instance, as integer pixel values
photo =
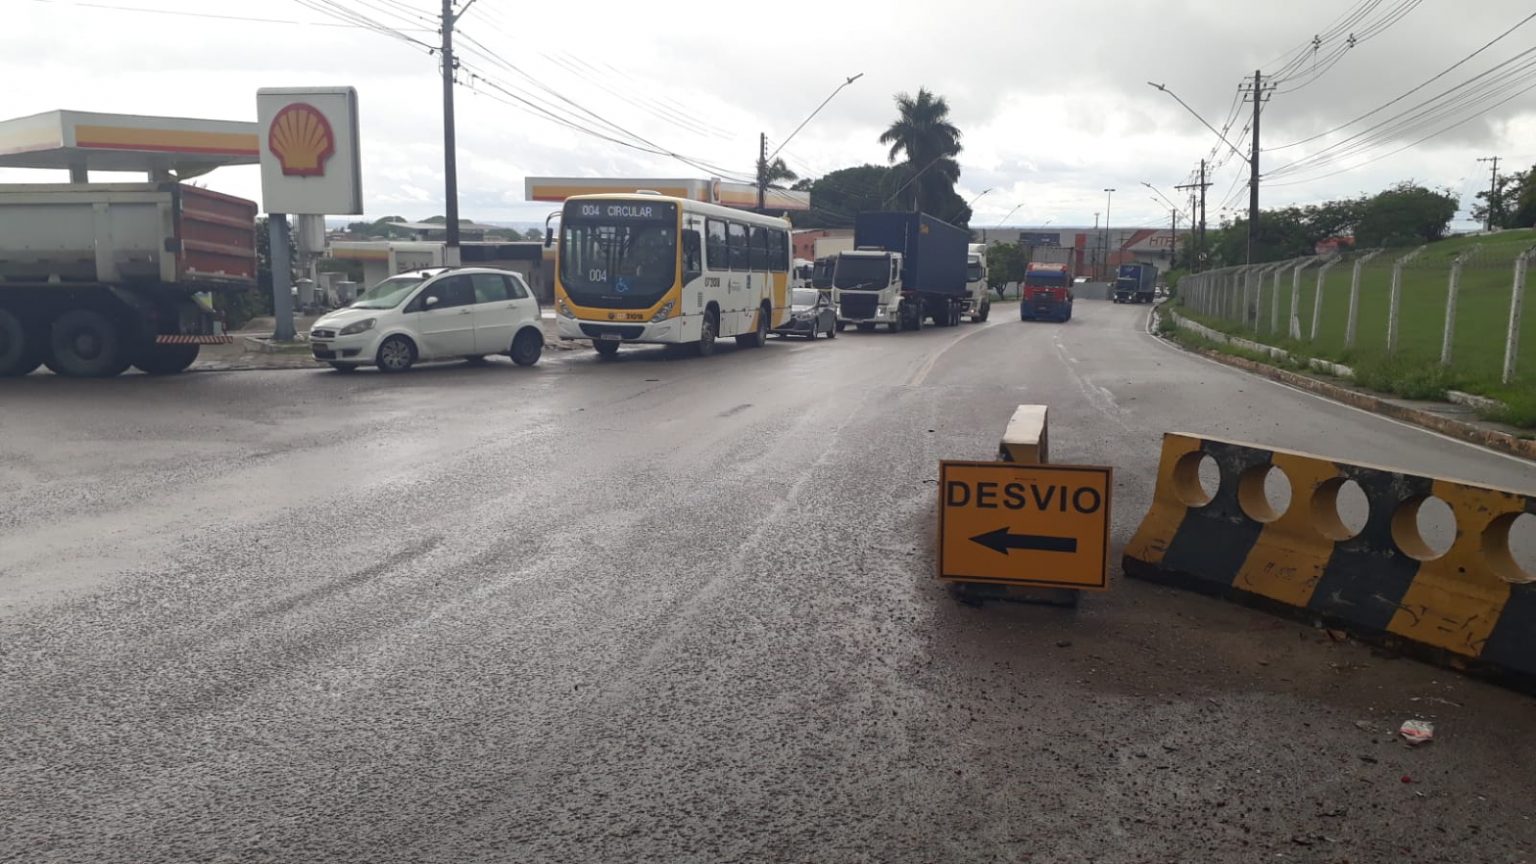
(310, 160)
(1013, 524)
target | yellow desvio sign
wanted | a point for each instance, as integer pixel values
(1041, 525)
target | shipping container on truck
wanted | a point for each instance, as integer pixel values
(1135, 283)
(97, 277)
(905, 267)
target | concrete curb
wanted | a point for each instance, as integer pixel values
(1493, 439)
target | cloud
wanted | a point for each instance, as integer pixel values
(1052, 98)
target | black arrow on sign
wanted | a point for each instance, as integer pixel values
(1000, 541)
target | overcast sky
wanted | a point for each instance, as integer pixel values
(1052, 98)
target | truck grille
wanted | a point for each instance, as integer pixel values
(857, 306)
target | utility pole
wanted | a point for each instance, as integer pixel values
(1258, 92)
(762, 171)
(1094, 253)
(1173, 239)
(1199, 247)
(450, 157)
(1493, 191)
(1109, 197)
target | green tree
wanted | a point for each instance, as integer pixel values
(1514, 206)
(1006, 263)
(836, 197)
(1406, 215)
(923, 134)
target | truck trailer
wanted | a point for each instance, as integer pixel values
(904, 268)
(1136, 283)
(97, 277)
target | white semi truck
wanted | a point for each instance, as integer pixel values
(906, 268)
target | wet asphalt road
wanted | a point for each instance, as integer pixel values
(683, 610)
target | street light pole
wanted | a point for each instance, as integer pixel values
(765, 159)
(973, 201)
(1109, 196)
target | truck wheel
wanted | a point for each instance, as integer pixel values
(986, 309)
(166, 359)
(20, 351)
(85, 344)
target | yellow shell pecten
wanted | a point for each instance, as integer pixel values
(302, 140)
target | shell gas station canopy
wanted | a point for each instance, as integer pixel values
(81, 141)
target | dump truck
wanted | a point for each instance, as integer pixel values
(97, 277)
(904, 268)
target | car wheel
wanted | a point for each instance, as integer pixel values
(707, 334)
(85, 344)
(833, 330)
(167, 359)
(604, 349)
(397, 354)
(527, 346)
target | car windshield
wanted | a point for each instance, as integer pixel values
(869, 273)
(389, 293)
(803, 297)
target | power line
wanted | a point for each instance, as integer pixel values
(1527, 19)
(206, 15)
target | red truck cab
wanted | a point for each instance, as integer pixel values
(1046, 294)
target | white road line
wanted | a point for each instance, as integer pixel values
(922, 374)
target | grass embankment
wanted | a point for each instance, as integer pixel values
(1414, 370)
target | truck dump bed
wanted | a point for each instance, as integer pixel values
(119, 233)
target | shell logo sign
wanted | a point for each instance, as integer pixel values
(310, 161)
(301, 139)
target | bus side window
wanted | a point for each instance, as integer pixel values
(715, 247)
(761, 250)
(736, 236)
(779, 241)
(693, 255)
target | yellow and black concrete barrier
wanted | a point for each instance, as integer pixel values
(1472, 607)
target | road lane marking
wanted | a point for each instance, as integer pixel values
(922, 373)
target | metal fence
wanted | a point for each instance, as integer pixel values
(1458, 304)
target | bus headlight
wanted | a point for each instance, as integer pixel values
(564, 309)
(664, 312)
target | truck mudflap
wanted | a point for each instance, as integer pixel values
(177, 339)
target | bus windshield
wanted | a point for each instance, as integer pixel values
(861, 273)
(619, 254)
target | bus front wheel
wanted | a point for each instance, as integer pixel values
(605, 350)
(707, 334)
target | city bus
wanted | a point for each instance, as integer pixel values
(648, 268)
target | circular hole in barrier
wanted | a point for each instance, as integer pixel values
(1264, 492)
(1340, 509)
(1509, 544)
(1196, 478)
(1424, 527)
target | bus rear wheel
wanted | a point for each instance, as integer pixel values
(759, 337)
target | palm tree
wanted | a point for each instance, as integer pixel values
(930, 142)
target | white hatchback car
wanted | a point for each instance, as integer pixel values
(468, 312)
